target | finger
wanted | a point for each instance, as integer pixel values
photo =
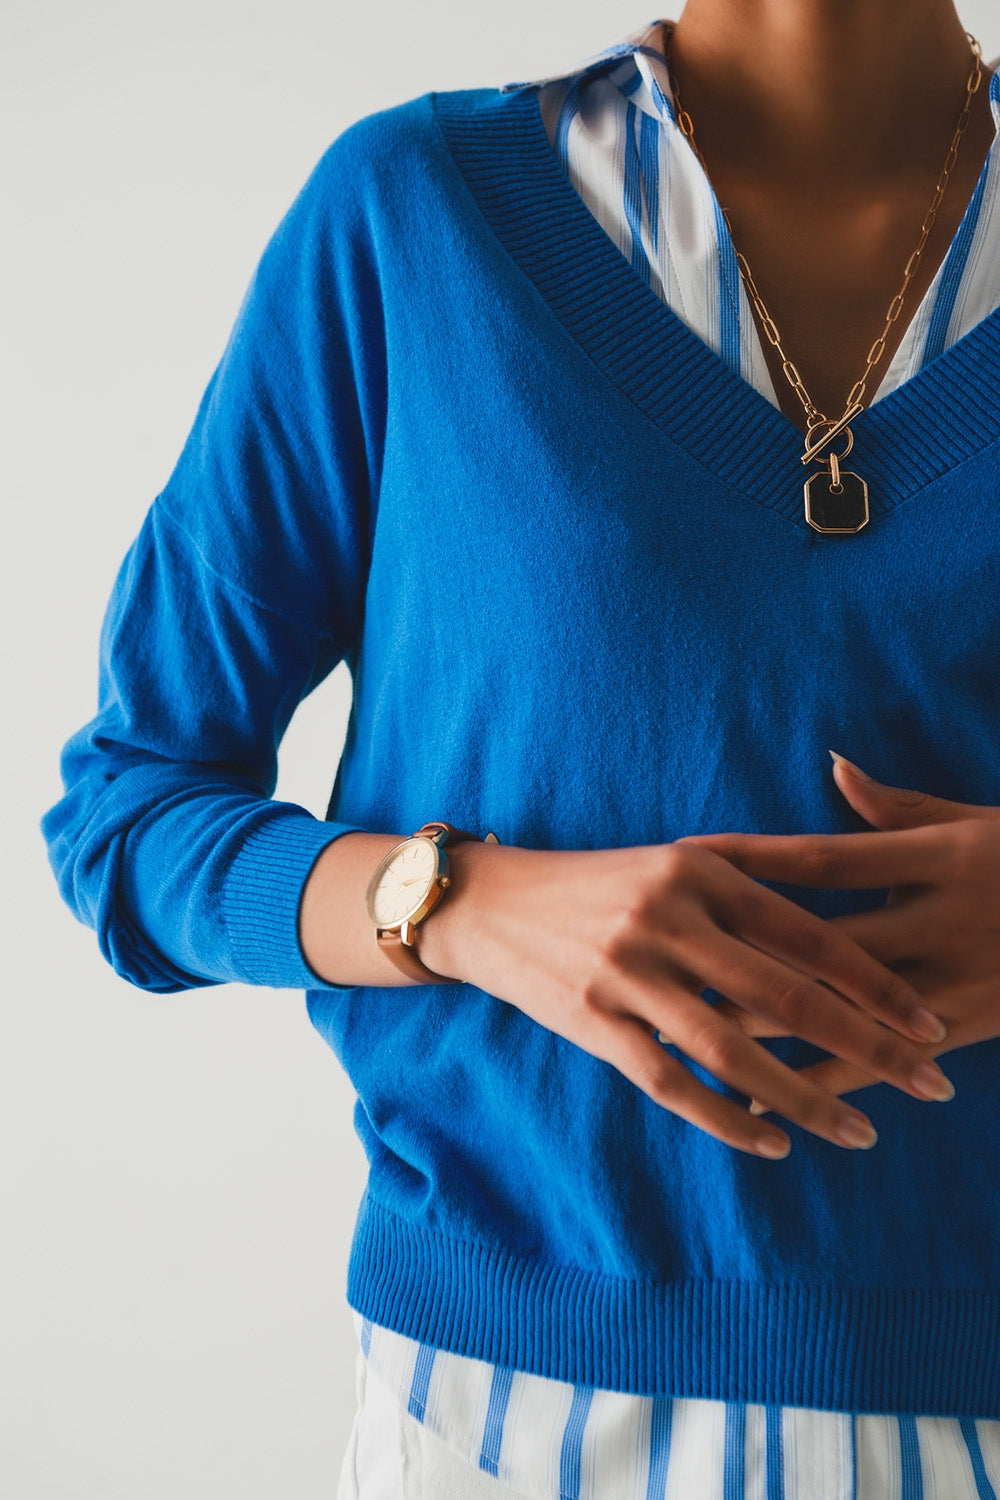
(833, 861)
(834, 1075)
(823, 951)
(749, 1023)
(891, 935)
(887, 806)
(724, 1051)
(816, 1014)
(629, 1047)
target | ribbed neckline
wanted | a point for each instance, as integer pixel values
(934, 421)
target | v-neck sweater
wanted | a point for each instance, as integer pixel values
(456, 441)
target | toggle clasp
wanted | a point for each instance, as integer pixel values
(835, 426)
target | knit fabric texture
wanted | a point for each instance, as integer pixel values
(458, 442)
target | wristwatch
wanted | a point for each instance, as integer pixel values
(406, 887)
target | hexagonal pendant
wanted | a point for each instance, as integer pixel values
(842, 510)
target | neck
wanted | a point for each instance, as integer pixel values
(822, 91)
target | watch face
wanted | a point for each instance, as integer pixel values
(403, 882)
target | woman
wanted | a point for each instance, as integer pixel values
(507, 425)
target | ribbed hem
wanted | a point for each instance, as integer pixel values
(262, 895)
(943, 415)
(902, 1350)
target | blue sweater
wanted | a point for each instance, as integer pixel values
(456, 441)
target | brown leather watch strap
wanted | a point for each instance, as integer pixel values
(404, 957)
(455, 835)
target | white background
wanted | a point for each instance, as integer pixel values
(179, 1173)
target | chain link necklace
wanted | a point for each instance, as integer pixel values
(836, 500)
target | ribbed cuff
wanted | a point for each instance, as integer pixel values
(263, 892)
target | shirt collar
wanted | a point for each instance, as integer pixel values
(642, 50)
(637, 65)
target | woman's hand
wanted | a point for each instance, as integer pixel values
(939, 929)
(610, 947)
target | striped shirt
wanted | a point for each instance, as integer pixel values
(612, 125)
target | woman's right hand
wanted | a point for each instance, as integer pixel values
(610, 947)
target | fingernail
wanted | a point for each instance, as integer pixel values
(856, 1131)
(928, 1027)
(756, 1108)
(931, 1083)
(842, 760)
(773, 1146)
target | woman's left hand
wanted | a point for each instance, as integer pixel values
(939, 929)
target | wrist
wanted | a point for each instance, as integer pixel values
(445, 940)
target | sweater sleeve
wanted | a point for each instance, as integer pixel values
(242, 591)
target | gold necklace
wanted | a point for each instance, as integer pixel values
(836, 500)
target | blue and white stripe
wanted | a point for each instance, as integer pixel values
(551, 1441)
(614, 131)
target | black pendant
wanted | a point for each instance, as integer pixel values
(843, 508)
